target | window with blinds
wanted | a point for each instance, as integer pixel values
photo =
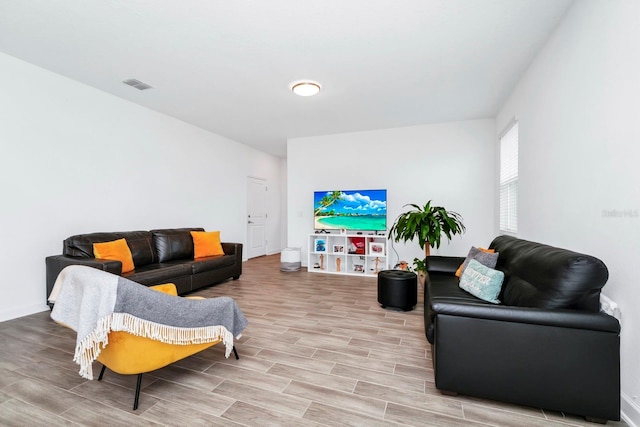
(509, 180)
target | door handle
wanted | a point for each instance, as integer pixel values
(249, 222)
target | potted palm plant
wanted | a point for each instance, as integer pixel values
(427, 224)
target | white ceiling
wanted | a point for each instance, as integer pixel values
(226, 66)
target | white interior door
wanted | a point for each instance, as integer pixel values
(256, 217)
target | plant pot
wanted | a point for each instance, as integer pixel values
(422, 276)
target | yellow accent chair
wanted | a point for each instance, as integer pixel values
(129, 354)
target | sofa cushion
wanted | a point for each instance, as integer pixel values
(159, 273)
(174, 243)
(482, 282)
(139, 242)
(538, 275)
(211, 263)
(486, 257)
(445, 287)
(115, 250)
(206, 243)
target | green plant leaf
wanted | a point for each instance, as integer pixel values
(427, 224)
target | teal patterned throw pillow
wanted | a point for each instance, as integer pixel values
(482, 282)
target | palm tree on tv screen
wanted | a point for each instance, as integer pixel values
(328, 200)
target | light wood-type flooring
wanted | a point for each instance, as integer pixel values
(318, 351)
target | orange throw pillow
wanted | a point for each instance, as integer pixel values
(117, 250)
(206, 243)
(166, 288)
(459, 270)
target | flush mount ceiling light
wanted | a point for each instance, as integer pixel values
(305, 88)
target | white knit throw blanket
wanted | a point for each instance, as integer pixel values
(93, 303)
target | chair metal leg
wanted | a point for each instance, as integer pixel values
(101, 372)
(138, 383)
(235, 352)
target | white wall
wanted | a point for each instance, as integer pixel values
(77, 160)
(578, 107)
(452, 164)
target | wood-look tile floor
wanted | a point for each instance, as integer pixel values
(318, 351)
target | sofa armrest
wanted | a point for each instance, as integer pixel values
(535, 316)
(231, 248)
(56, 263)
(562, 367)
(443, 264)
(234, 249)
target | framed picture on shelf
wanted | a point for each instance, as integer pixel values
(321, 245)
(376, 248)
(356, 245)
(338, 249)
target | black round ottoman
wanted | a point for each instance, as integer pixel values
(397, 289)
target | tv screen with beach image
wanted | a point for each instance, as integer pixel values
(363, 210)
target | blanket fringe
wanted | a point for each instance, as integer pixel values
(88, 350)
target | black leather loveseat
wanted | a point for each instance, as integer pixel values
(159, 256)
(546, 345)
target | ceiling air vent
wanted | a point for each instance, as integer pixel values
(137, 84)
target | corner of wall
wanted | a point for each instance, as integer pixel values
(25, 310)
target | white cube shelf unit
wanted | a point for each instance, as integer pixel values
(354, 254)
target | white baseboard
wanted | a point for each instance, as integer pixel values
(26, 310)
(629, 411)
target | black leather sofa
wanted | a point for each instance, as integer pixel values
(546, 345)
(159, 256)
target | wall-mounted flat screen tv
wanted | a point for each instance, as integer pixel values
(363, 210)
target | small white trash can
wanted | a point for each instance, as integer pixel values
(290, 259)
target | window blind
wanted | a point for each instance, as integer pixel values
(509, 180)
